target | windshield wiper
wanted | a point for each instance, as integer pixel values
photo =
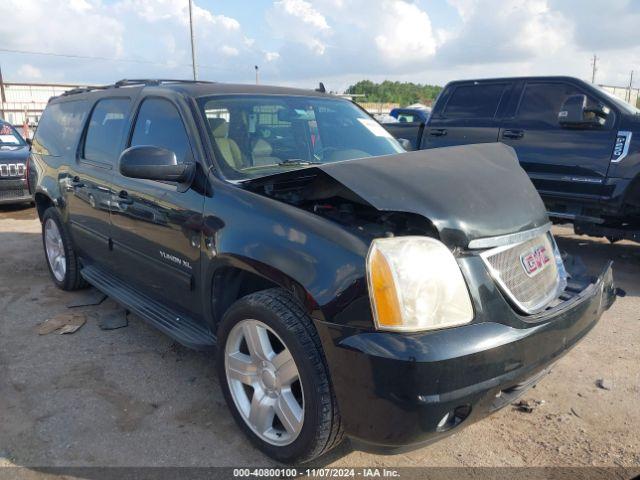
(298, 161)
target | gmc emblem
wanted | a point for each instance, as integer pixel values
(535, 260)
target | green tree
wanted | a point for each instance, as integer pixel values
(404, 93)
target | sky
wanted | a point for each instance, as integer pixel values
(302, 42)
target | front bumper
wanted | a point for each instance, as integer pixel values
(397, 392)
(14, 191)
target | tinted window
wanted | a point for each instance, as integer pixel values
(541, 102)
(104, 135)
(59, 128)
(407, 118)
(159, 124)
(474, 101)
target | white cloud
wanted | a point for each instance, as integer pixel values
(29, 72)
(299, 21)
(229, 51)
(398, 26)
(504, 31)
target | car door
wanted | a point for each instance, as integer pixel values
(89, 182)
(156, 227)
(561, 162)
(466, 113)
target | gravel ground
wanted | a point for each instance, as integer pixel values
(132, 397)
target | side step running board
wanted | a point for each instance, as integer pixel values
(183, 329)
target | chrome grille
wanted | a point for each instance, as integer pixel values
(12, 169)
(530, 273)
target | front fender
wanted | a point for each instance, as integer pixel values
(289, 246)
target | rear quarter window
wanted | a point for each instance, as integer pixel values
(59, 128)
(106, 130)
(475, 101)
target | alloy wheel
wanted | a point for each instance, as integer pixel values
(264, 382)
(54, 247)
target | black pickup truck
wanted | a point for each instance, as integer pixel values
(577, 142)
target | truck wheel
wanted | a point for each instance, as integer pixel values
(275, 378)
(61, 258)
(613, 239)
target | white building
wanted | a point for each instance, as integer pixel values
(629, 95)
(18, 100)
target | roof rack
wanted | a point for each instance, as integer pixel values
(130, 83)
(153, 82)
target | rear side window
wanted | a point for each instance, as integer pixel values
(106, 127)
(475, 101)
(541, 102)
(59, 128)
(159, 124)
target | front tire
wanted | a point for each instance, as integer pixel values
(275, 379)
(62, 261)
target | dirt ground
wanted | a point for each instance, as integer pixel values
(132, 397)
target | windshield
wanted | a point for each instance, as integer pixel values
(261, 135)
(9, 136)
(621, 104)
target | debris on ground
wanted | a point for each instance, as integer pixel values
(527, 406)
(62, 323)
(603, 384)
(575, 413)
(87, 298)
(113, 319)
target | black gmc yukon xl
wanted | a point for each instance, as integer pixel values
(346, 287)
(578, 143)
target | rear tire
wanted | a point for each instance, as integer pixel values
(62, 261)
(284, 329)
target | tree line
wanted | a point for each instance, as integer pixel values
(404, 93)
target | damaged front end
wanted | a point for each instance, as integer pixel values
(475, 199)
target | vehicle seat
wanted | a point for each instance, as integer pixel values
(261, 153)
(227, 146)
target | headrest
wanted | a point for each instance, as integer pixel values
(261, 149)
(219, 127)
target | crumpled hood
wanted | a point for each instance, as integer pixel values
(468, 192)
(13, 154)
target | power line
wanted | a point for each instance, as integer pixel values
(109, 59)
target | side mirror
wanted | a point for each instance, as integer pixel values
(154, 163)
(575, 114)
(29, 141)
(406, 144)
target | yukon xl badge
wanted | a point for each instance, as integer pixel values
(535, 260)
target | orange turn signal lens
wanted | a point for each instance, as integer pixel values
(386, 306)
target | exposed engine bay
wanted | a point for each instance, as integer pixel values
(319, 193)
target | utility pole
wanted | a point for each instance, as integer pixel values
(193, 44)
(630, 85)
(257, 68)
(2, 96)
(594, 64)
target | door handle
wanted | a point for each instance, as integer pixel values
(123, 198)
(438, 132)
(75, 182)
(515, 134)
